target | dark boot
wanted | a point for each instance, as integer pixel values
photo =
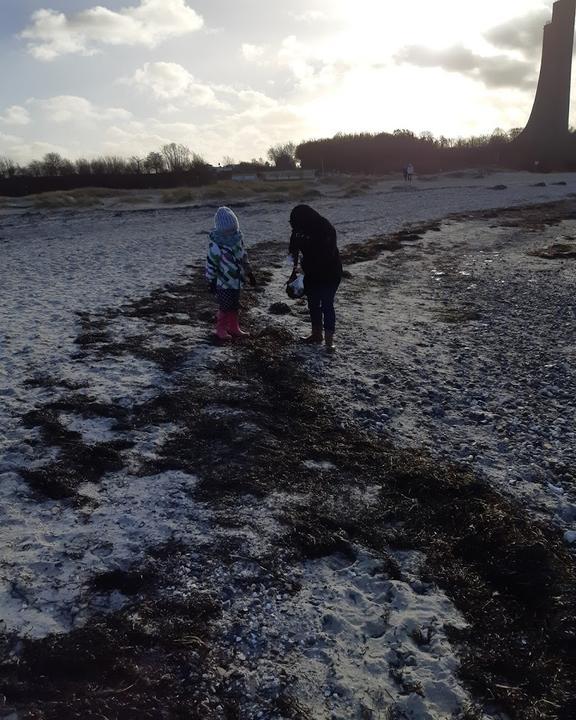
(330, 347)
(316, 337)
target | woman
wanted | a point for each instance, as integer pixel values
(314, 240)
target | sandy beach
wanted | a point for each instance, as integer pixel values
(270, 531)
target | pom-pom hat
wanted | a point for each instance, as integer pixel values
(225, 220)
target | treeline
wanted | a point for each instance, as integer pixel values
(175, 164)
(171, 166)
(171, 158)
(390, 152)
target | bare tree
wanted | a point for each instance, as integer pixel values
(154, 162)
(98, 166)
(115, 165)
(83, 166)
(67, 167)
(7, 167)
(283, 156)
(177, 157)
(498, 136)
(197, 161)
(53, 164)
(135, 165)
(109, 165)
(34, 168)
(403, 132)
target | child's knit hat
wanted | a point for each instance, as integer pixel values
(225, 220)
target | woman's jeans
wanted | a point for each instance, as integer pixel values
(321, 305)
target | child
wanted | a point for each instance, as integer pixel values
(227, 268)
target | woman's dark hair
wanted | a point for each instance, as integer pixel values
(305, 219)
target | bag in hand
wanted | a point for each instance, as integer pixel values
(295, 288)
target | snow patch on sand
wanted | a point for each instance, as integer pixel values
(51, 550)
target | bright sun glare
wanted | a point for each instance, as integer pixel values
(378, 94)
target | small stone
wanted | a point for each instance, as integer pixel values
(280, 308)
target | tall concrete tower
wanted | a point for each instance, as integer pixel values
(546, 132)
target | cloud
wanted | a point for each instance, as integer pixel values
(251, 132)
(15, 115)
(309, 16)
(70, 108)
(251, 98)
(498, 71)
(23, 151)
(52, 33)
(253, 53)
(170, 81)
(313, 68)
(139, 138)
(252, 123)
(8, 140)
(523, 34)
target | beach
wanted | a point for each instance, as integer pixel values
(269, 530)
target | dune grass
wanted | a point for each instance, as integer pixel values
(229, 191)
(179, 195)
(357, 186)
(222, 192)
(134, 199)
(81, 197)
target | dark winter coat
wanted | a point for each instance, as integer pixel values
(314, 238)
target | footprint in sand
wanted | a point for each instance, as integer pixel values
(331, 624)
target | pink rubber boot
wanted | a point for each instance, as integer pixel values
(233, 325)
(222, 326)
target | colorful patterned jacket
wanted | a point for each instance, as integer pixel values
(227, 260)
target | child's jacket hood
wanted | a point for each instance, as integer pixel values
(229, 240)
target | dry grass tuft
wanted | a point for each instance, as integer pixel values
(558, 251)
(176, 196)
(84, 197)
(230, 191)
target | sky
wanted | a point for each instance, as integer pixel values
(231, 78)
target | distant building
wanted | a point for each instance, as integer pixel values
(244, 177)
(274, 175)
(546, 137)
